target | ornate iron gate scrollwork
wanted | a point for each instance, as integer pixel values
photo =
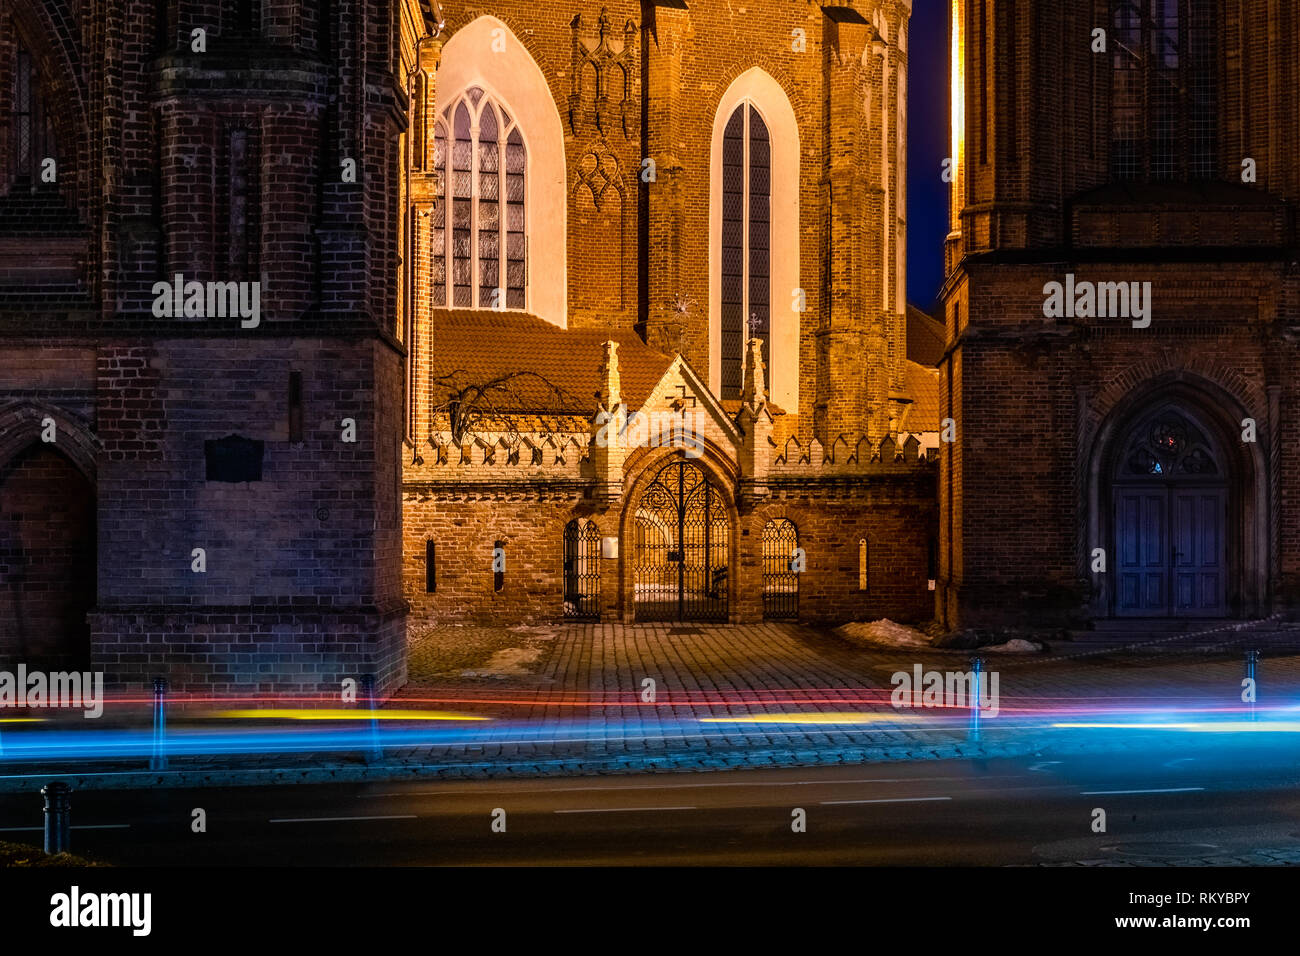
(780, 579)
(581, 570)
(682, 548)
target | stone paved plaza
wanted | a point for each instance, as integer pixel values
(595, 674)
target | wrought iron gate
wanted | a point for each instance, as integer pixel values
(681, 558)
(581, 570)
(780, 577)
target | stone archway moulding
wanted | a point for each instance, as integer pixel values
(517, 82)
(1117, 409)
(22, 423)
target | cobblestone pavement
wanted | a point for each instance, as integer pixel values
(597, 673)
(1277, 856)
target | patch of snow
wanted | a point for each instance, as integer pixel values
(511, 662)
(883, 632)
(1015, 646)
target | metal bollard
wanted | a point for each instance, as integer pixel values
(376, 752)
(976, 664)
(158, 759)
(1252, 662)
(58, 811)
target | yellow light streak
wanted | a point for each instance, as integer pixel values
(323, 714)
(810, 719)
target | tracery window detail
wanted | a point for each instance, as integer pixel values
(479, 254)
(1169, 446)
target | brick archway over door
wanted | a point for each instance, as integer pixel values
(1241, 476)
(47, 560)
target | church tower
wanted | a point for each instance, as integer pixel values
(1121, 306)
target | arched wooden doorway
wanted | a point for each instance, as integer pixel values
(1171, 494)
(680, 555)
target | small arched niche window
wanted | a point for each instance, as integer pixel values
(479, 242)
(746, 241)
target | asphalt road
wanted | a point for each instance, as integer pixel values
(1182, 802)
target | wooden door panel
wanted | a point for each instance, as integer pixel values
(1140, 533)
(1199, 516)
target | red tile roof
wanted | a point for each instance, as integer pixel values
(923, 390)
(477, 347)
(926, 337)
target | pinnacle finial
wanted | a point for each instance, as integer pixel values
(611, 386)
(755, 390)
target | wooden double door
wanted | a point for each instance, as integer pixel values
(1172, 551)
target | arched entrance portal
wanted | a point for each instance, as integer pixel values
(1171, 513)
(47, 560)
(680, 541)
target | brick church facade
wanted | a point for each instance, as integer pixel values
(1113, 463)
(327, 319)
(659, 334)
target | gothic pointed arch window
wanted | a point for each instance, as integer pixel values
(746, 241)
(31, 132)
(756, 285)
(1164, 91)
(479, 254)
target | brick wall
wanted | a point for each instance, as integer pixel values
(248, 652)
(896, 515)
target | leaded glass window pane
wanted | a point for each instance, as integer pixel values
(483, 215)
(733, 252)
(746, 241)
(438, 217)
(1164, 90)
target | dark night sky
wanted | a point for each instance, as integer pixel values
(927, 128)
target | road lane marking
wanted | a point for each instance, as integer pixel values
(1111, 793)
(95, 826)
(625, 810)
(836, 803)
(395, 816)
(673, 786)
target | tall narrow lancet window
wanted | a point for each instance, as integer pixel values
(1164, 90)
(31, 132)
(438, 216)
(479, 246)
(746, 241)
